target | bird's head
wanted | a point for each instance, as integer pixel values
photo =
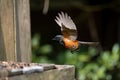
(58, 38)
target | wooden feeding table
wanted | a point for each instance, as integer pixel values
(35, 71)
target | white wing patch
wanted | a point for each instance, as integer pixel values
(65, 20)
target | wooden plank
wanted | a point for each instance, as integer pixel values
(15, 38)
(7, 38)
(63, 72)
(23, 42)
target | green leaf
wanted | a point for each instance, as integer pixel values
(83, 57)
(71, 58)
(46, 49)
(115, 49)
(101, 72)
(35, 41)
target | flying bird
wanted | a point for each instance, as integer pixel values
(69, 33)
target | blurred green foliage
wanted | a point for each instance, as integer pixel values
(90, 65)
(40, 52)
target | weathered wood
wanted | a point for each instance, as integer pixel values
(15, 38)
(7, 34)
(63, 72)
(23, 30)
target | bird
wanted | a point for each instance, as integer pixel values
(69, 33)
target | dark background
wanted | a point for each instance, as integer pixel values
(104, 15)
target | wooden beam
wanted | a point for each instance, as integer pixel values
(15, 38)
(22, 11)
(7, 35)
(48, 72)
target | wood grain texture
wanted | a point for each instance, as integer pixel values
(23, 42)
(15, 38)
(63, 72)
(7, 30)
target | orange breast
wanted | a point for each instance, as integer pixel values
(73, 45)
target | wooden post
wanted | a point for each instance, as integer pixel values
(15, 38)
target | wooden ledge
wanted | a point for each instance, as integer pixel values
(37, 71)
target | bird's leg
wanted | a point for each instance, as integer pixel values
(72, 52)
(77, 49)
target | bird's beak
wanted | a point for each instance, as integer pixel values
(57, 38)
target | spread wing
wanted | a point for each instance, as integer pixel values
(67, 25)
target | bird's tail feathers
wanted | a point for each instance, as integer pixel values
(89, 43)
